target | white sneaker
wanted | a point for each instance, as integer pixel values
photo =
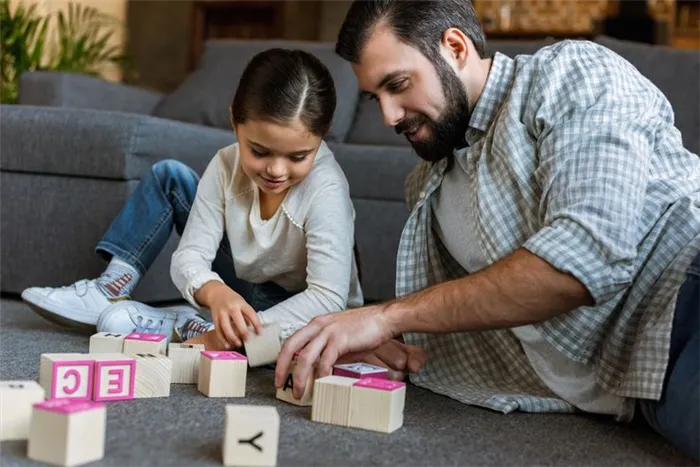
(77, 306)
(128, 316)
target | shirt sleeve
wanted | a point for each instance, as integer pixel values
(190, 267)
(596, 120)
(329, 229)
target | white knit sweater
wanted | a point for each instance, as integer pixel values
(306, 247)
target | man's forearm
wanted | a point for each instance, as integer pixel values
(517, 290)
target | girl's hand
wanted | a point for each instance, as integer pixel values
(230, 313)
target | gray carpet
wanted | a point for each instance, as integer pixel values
(187, 427)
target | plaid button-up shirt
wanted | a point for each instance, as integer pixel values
(572, 155)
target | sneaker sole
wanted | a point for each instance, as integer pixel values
(62, 321)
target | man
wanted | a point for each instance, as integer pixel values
(546, 263)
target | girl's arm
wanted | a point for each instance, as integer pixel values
(190, 267)
(330, 236)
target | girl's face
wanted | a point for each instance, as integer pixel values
(276, 156)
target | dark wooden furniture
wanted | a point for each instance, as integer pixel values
(240, 19)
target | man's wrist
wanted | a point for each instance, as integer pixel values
(394, 317)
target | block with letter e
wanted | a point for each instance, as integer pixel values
(115, 376)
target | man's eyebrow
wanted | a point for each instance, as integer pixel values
(391, 76)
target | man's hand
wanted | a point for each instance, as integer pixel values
(327, 338)
(397, 357)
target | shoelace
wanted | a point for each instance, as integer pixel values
(148, 327)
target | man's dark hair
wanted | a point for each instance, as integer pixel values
(281, 85)
(420, 24)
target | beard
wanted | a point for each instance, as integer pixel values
(448, 132)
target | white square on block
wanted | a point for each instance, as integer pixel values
(141, 342)
(251, 435)
(185, 359)
(16, 401)
(360, 370)
(66, 432)
(263, 348)
(107, 342)
(114, 377)
(66, 376)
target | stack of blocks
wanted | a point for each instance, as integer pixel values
(362, 398)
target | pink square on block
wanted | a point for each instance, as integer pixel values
(72, 380)
(142, 336)
(120, 375)
(215, 355)
(67, 406)
(377, 383)
(360, 370)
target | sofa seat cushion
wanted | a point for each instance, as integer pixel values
(206, 94)
(100, 144)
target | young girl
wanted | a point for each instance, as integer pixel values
(267, 235)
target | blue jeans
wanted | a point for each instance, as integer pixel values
(676, 415)
(161, 202)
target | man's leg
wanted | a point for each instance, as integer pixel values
(676, 415)
(161, 201)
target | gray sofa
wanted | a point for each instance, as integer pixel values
(75, 148)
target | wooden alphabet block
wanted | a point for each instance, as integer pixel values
(107, 342)
(263, 348)
(251, 435)
(68, 433)
(377, 404)
(67, 376)
(331, 401)
(140, 342)
(153, 375)
(285, 392)
(16, 401)
(185, 359)
(114, 377)
(360, 370)
(222, 374)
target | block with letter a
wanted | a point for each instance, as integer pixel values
(285, 393)
(140, 342)
(67, 375)
(251, 435)
(66, 432)
(114, 377)
(16, 401)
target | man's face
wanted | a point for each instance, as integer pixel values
(424, 101)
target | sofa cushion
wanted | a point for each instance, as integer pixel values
(676, 73)
(206, 94)
(368, 126)
(100, 144)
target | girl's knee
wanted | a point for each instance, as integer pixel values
(174, 170)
